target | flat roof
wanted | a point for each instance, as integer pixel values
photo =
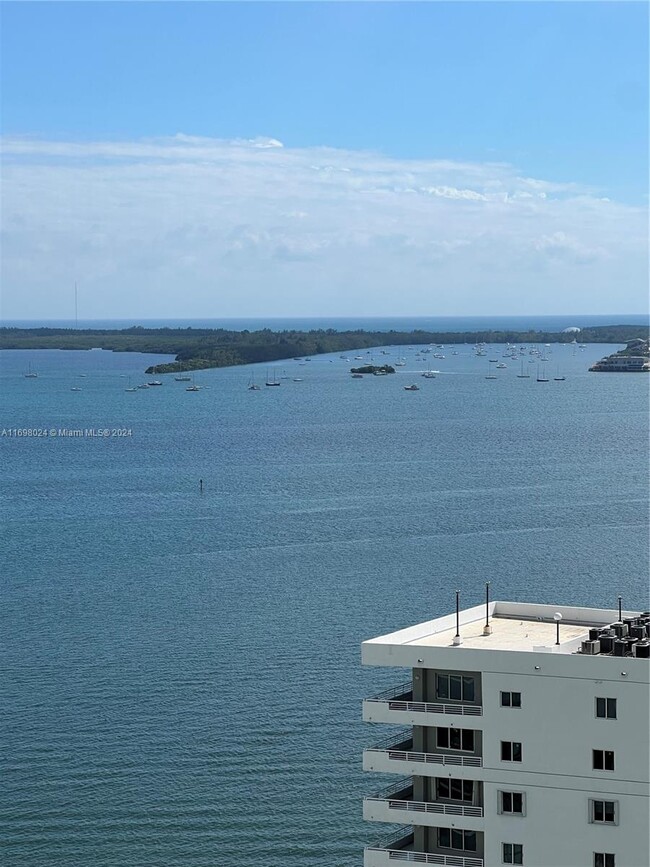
(508, 634)
(516, 626)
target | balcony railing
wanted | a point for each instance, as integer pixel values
(399, 748)
(399, 797)
(398, 847)
(401, 698)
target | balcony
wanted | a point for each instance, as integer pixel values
(399, 847)
(396, 755)
(396, 705)
(396, 803)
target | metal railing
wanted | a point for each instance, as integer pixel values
(403, 837)
(395, 701)
(405, 739)
(431, 858)
(429, 807)
(401, 737)
(430, 758)
(393, 692)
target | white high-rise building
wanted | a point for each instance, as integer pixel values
(513, 748)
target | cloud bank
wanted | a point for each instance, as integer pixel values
(188, 226)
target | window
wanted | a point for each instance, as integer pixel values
(513, 853)
(605, 812)
(510, 699)
(511, 802)
(603, 760)
(455, 790)
(606, 708)
(510, 751)
(450, 838)
(604, 859)
(455, 739)
(456, 687)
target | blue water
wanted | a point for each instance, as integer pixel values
(352, 323)
(181, 682)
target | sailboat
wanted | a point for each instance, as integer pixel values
(559, 377)
(251, 384)
(131, 388)
(274, 381)
(543, 377)
(182, 377)
(490, 375)
(194, 386)
(31, 374)
(523, 375)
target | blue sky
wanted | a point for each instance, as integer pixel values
(556, 92)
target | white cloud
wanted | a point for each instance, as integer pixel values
(192, 226)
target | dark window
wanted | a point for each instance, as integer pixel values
(510, 751)
(513, 853)
(450, 838)
(604, 859)
(510, 699)
(603, 811)
(606, 708)
(456, 687)
(456, 790)
(455, 739)
(603, 760)
(512, 802)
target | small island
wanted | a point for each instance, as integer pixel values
(201, 348)
(376, 370)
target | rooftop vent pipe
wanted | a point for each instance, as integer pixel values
(457, 639)
(487, 629)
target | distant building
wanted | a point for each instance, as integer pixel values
(622, 364)
(515, 749)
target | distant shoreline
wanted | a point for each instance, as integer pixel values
(542, 322)
(198, 349)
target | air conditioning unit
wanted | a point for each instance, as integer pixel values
(591, 647)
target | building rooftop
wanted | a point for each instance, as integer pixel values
(508, 634)
(514, 626)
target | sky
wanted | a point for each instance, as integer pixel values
(209, 159)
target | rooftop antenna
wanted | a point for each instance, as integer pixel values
(457, 639)
(557, 617)
(487, 629)
(620, 609)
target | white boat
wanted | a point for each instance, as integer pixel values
(501, 366)
(428, 374)
(31, 374)
(75, 388)
(252, 386)
(192, 388)
(274, 381)
(155, 382)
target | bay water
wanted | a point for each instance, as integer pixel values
(181, 680)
